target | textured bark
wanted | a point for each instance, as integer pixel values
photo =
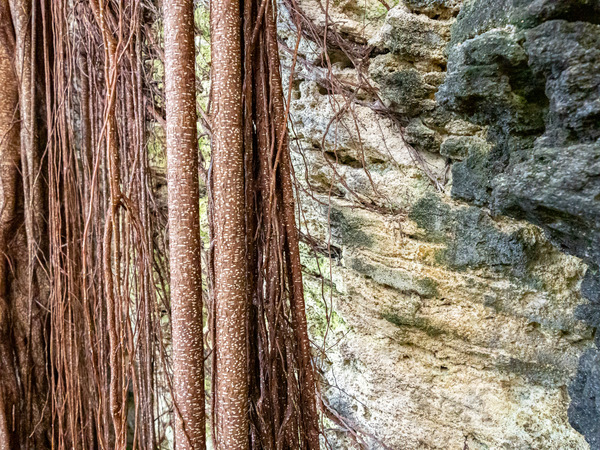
(184, 225)
(25, 17)
(230, 284)
(261, 331)
(91, 370)
(9, 160)
(23, 384)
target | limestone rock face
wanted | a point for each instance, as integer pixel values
(449, 212)
(543, 119)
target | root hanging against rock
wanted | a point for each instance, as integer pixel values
(85, 304)
(327, 38)
(277, 362)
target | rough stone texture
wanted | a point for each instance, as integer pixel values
(452, 326)
(530, 72)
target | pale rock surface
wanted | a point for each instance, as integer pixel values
(448, 328)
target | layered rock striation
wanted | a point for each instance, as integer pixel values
(529, 71)
(453, 183)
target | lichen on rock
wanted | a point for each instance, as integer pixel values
(457, 309)
(539, 61)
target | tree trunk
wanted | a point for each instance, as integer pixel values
(184, 225)
(265, 385)
(9, 160)
(229, 240)
(23, 386)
